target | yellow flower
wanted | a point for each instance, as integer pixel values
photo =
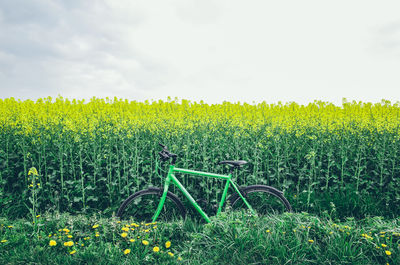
(95, 226)
(3, 241)
(126, 229)
(167, 244)
(69, 243)
(96, 235)
(156, 249)
(145, 242)
(52, 243)
(268, 231)
(179, 258)
(66, 230)
(388, 252)
(124, 235)
(69, 236)
(132, 240)
(171, 254)
(72, 252)
(311, 241)
(10, 226)
(33, 171)
(37, 216)
(384, 245)
(127, 251)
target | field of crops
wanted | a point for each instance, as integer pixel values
(329, 160)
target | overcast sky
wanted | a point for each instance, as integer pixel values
(214, 50)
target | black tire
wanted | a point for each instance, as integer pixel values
(141, 206)
(263, 199)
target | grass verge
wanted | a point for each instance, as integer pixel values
(234, 238)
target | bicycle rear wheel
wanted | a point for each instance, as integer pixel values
(263, 199)
(141, 206)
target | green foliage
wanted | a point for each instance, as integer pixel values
(235, 237)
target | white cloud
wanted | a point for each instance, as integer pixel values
(200, 49)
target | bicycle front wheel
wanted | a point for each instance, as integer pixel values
(263, 199)
(141, 206)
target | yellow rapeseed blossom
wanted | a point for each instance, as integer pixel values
(52, 243)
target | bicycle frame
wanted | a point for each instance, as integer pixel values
(171, 178)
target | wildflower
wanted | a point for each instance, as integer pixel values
(10, 226)
(171, 254)
(124, 234)
(72, 252)
(147, 230)
(52, 243)
(311, 241)
(388, 252)
(69, 243)
(268, 231)
(126, 229)
(383, 245)
(156, 249)
(127, 251)
(167, 244)
(37, 216)
(179, 258)
(95, 226)
(3, 241)
(145, 242)
(132, 240)
(69, 236)
(97, 235)
(66, 230)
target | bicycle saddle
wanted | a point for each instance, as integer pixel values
(236, 163)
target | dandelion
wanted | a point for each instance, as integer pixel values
(388, 252)
(171, 254)
(97, 235)
(156, 249)
(383, 245)
(3, 241)
(168, 244)
(69, 236)
(145, 242)
(10, 226)
(95, 226)
(126, 229)
(124, 235)
(72, 252)
(52, 243)
(311, 241)
(37, 216)
(268, 231)
(69, 243)
(132, 240)
(127, 251)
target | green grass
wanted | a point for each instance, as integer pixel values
(235, 238)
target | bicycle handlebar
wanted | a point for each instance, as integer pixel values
(165, 154)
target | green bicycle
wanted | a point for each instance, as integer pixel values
(154, 203)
